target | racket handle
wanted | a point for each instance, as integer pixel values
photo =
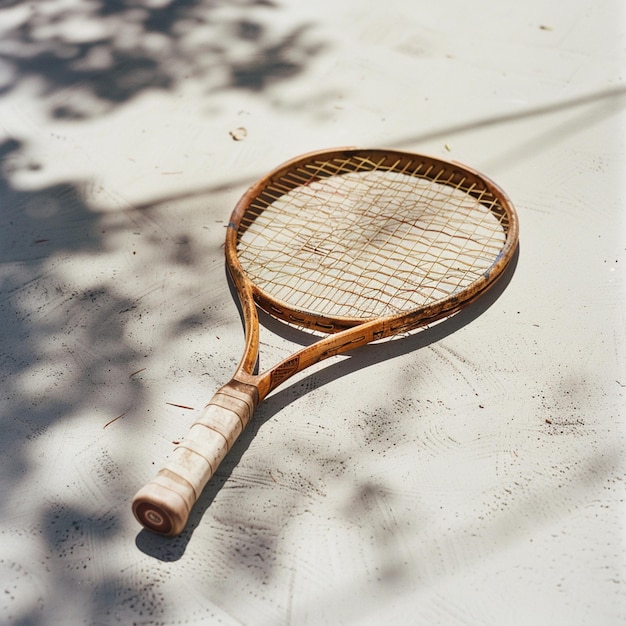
(163, 505)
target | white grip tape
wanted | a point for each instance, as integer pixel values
(163, 505)
(212, 435)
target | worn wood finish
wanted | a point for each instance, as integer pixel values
(461, 206)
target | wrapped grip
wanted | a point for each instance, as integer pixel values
(163, 505)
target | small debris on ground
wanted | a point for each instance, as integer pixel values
(239, 134)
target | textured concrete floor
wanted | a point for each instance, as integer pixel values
(471, 474)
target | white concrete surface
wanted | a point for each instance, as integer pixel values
(472, 474)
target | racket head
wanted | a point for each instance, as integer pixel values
(335, 239)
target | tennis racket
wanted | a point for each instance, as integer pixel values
(357, 245)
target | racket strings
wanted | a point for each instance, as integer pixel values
(359, 238)
(339, 255)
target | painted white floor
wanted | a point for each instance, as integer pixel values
(472, 474)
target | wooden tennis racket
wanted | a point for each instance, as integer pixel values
(356, 244)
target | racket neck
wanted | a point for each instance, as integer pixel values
(338, 343)
(344, 341)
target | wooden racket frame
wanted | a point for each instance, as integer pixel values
(164, 504)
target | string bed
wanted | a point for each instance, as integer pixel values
(367, 238)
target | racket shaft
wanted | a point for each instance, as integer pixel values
(163, 505)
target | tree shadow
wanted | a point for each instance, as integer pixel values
(107, 52)
(69, 342)
(34, 226)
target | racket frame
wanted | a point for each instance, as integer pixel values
(345, 333)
